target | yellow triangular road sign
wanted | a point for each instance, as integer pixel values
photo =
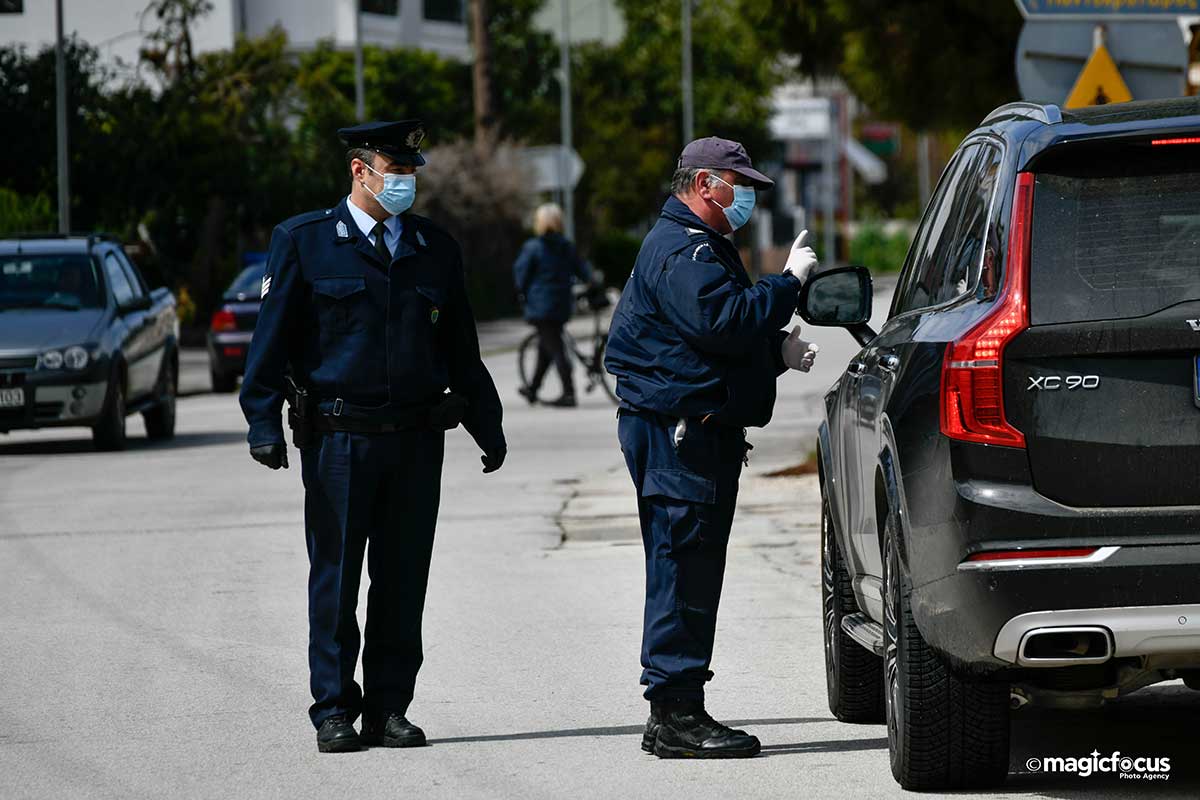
(1099, 83)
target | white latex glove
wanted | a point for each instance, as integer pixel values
(797, 353)
(801, 259)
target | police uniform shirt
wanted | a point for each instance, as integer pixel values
(366, 223)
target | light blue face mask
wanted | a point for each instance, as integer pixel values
(398, 191)
(738, 213)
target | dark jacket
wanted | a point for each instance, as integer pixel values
(380, 337)
(543, 272)
(692, 335)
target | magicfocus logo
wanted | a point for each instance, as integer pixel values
(1132, 768)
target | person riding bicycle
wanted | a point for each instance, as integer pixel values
(544, 271)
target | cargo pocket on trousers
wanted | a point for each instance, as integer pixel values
(688, 499)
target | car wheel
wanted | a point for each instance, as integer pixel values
(222, 382)
(853, 674)
(109, 433)
(160, 420)
(944, 732)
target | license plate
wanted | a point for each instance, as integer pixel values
(12, 398)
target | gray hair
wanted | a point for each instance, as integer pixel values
(685, 177)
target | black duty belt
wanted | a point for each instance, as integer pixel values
(323, 423)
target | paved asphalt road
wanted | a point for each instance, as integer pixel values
(153, 630)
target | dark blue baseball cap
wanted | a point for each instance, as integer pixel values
(713, 152)
(400, 141)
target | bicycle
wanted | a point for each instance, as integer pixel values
(594, 300)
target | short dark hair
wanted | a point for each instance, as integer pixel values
(362, 154)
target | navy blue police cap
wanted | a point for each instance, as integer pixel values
(713, 152)
(400, 141)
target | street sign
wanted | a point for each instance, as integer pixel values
(546, 164)
(1106, 9)
(1150, 56)
(794, 116)
(1099, 83)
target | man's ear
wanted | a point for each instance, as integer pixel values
(701, 186)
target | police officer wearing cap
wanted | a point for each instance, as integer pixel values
(696, 348)
(366, 329)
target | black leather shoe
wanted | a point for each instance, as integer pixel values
(337, 735)
(391, 730)
(566, 401)
(650, 735)
(530, 395)
(685, 730)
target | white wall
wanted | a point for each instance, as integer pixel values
(116, 27)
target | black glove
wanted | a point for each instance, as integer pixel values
(270, 455)
(493, 459)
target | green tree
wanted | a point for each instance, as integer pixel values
(629, 124)
(892, 52)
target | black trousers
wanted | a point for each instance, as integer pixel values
(372, 494)
(551, 350)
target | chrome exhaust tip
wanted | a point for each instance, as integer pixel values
(1065, 647)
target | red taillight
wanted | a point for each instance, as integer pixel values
(232, 352)
(1178, 140)
(1007, 555)
(972, 400)
(224, 320)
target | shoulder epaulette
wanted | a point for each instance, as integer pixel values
(307, 218)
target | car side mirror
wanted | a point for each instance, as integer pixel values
(839, 298)
(134, 304)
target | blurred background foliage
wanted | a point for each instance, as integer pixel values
(201, 155)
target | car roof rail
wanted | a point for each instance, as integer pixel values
(92, 237)
(1049, 113)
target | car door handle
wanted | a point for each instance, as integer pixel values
(889, 362)
(856, 369)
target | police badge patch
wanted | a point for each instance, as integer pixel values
(342, 231)
(413, 140)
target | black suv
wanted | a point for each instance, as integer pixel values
(1010, 467)
(83, 339)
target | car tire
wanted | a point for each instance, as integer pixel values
(222, 382)
(944, 732)
(109, 432)
(160, 420)
(853, 674)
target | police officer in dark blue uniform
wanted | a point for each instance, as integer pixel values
(365, 327)
(696, 348)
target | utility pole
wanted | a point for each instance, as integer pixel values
(564, 167)
(60, 90)
(689, 122)
(360, 101)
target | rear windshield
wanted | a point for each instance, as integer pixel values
(66, 281)
(248, 284)
(1116, 234)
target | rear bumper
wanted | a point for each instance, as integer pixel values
(227, 351)
(1132, 630)
(977, 617)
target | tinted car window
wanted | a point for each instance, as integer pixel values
(922, 277)
(135, 279)
(117, 278)
(248, 284)
(49, 281)
(1116, 238)
(961, 251)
